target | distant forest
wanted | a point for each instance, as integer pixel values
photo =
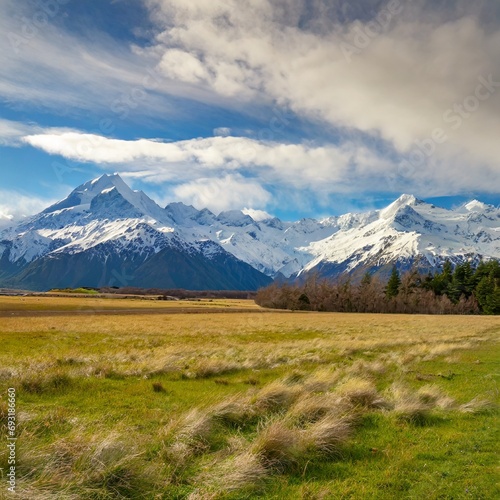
(461, 290)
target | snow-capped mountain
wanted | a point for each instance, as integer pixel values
(406, 232)
(104, 233)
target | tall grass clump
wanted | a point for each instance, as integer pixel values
(39, 383)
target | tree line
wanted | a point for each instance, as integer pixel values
(463, 289)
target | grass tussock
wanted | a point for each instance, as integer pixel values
(107, 371)
(408, 405)
(243, 473)
(276, 396)
(38, 383)
(361, 393)
(327, 435)
(70, 361)
(434, 396)
(83, 466)
(234, 411)
(278, 446)
(478, 406)
(192, 431)
(363, 367)
(207, 368)
(311, 407)
(322, 380)
(285, 413)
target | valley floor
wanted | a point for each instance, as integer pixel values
(113, 401)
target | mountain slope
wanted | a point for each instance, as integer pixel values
(105, 233)
(408, 232)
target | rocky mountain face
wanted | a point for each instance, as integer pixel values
(106, 234)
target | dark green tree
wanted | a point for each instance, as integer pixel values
(393, 284)
(366, 280)
(304, 302)
(462, 282)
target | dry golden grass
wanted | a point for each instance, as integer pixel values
(148, 345)
(327, 435)
(234, 411)
(408, 405)
(311, 407)
(82, 303)
(192, 431)
(219, 402)
(322, 379)
(477, 405)
(434, 395)
(277, 396)
(278, 446)
(360, 392)
(242, 471)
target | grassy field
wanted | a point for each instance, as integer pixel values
(90, 304)
(251, 404)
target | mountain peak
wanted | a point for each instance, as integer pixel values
(104, 177)
(105, 217)
(475, 206)
(403, 201)
(86, 192)
(180, 213)
(234, 218)
(108, 196)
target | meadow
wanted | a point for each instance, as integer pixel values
(121, 398)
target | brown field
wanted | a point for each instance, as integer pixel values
(192, 402)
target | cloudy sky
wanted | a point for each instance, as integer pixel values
(296, 107)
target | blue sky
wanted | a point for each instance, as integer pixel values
(299, 108)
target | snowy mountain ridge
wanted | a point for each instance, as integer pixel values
(104, 217)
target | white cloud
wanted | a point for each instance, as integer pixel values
(222, 131)
(323, 168)
(349, 167)
(419, 73)
(257, 215)
(219, 194)
(14, 205)
(43, 64)
(12, 133)
(398, 85)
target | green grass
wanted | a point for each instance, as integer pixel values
(190, 406)
(84, 291)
